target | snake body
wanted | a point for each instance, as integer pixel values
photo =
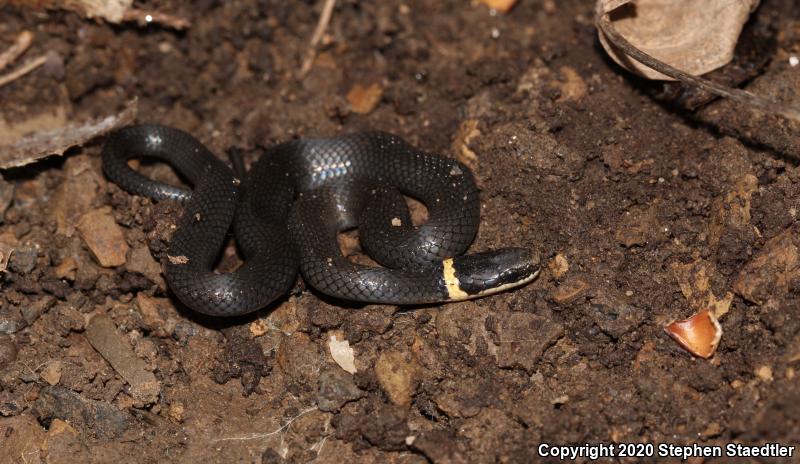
(287, 211)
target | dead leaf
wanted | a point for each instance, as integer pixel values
(56, 141)
(49, 119)
(110, 10)
(695, 37)
(699, 334)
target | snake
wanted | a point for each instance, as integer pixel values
(286, 212)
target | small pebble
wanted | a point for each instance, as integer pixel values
(524, 353)
(9, 405)
(6, 196)
(104, 237)
(764, 373)
(23, 260)
(54, 65)
(114, 348)
(8, 351)
(559, 266)
(34, 310)
(142, 261)
(336, 387)
(176, 412)
(397, 374)
(11, 320)
(52, 373)
(364, 99)
(342, 353)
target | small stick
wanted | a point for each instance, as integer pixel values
(742, 96)
(24, 40)
(22, 70)
(144, 18)
(322, 25)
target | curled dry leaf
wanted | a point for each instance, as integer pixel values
(695, 37)
(113, 11)
(110, 10)
(55, 141)
(699, 334)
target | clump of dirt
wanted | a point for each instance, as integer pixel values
(613, 189)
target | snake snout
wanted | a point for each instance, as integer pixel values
(494, 271)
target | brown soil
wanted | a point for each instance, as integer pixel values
(627, 200)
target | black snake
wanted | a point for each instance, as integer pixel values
(288, 209)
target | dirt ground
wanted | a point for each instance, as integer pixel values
(642, 212)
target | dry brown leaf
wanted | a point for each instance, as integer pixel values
(110, 10)
(699, 334)
(46, 120)
(56, 141)
(695, 37)
(113, 11)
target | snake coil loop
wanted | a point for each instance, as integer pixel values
(287, 211)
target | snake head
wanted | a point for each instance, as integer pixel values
(489, 272)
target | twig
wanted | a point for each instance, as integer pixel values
(22, 43)
(256, 436)
(22, 70)
(322, 25)
(742, 96)
(144, 18)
